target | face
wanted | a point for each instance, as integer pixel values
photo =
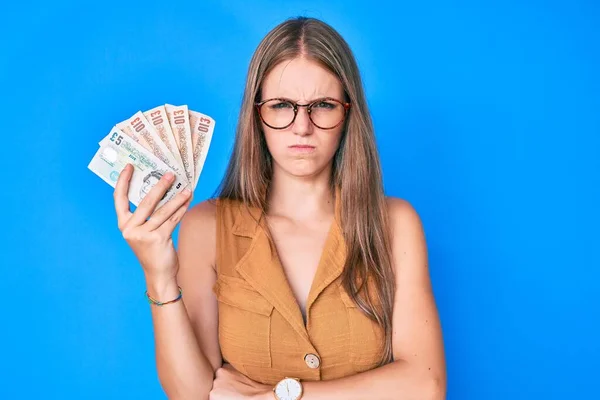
(302, 149)
(148, 184)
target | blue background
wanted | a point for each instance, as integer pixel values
(487, 117)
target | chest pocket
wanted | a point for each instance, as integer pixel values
(244, 323)
(366, 336)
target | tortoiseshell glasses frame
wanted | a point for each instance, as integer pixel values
(309, 108)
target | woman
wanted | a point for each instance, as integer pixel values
(302, 268)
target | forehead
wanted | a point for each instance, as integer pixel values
(301, 79)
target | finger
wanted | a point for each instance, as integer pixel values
(120, 195)
(167, 210)
(148, 203)
(169, 225)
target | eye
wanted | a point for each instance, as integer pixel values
(278, 105)
(325, 105)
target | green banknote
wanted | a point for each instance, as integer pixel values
(117, 150)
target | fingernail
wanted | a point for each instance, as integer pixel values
(187, 192)
(169, 176)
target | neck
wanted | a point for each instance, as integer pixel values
(301, 198)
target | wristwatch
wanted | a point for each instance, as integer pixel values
(288, 389)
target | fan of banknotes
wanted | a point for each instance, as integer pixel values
(164, 139)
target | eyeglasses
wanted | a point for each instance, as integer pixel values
(324, 113)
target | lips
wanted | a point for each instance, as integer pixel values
(302, 148)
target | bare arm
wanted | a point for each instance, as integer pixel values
(187, 349)
(418, 371)
(183, 362)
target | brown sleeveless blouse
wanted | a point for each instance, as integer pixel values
(261, 329)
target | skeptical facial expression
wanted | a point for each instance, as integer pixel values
(304, 147)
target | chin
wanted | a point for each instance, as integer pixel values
(302, 168)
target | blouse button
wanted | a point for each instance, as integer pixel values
(312, 361)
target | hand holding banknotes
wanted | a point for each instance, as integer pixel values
(154, 160)
(148, 232)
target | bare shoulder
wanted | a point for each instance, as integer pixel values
(403, 216)
(197, 233)
(406, 234)
(202, 214)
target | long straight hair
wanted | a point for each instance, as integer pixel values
(368, 276)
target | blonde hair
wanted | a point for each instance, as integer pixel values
(368, 275)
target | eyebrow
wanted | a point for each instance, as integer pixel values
(296, 101)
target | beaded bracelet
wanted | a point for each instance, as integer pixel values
(160, 304)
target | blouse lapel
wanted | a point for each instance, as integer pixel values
(331, 263)
(262, 269)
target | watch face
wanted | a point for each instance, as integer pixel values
(288, 389)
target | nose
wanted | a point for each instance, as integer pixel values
(302, 125)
